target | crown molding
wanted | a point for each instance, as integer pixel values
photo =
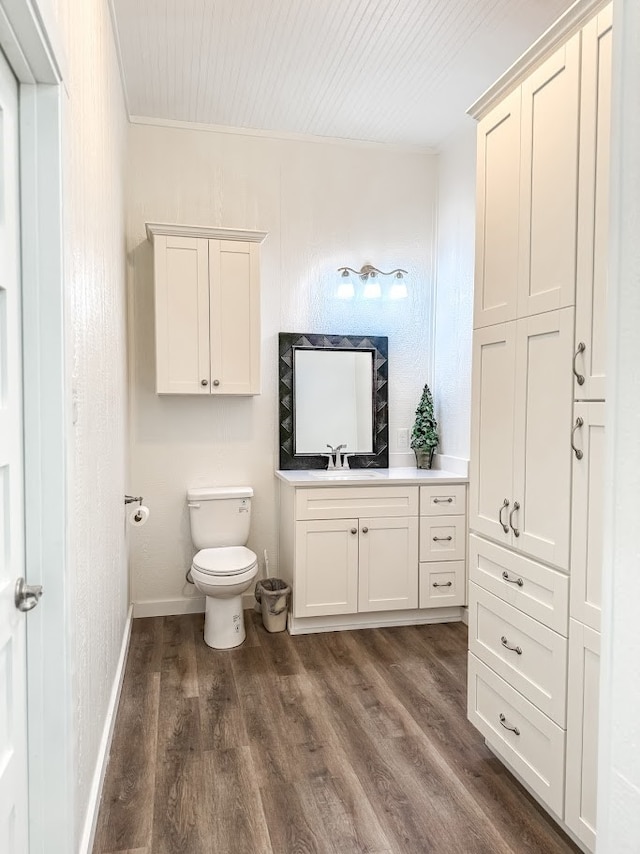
(558, 33)
(165, 229)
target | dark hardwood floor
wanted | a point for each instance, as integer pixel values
(340, 743)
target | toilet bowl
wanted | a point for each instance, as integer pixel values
(223, 568)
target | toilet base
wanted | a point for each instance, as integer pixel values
(224, 622)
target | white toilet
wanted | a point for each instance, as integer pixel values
(223, 569)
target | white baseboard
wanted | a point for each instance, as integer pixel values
(91, 819)
(379, 620)
(168, 607)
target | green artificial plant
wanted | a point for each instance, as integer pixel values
(424, 435)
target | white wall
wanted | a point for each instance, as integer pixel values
(324, 205)
(454, 291)
(94, 128)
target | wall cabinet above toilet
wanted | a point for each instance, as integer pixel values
(207, 309)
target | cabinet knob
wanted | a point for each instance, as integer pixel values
(354, 530)
(204, 382)
(364, 530)
(216, 382)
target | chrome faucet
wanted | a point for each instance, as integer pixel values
(334, 457)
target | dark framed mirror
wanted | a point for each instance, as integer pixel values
(333, 390)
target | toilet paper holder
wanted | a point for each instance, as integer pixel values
(131, 499)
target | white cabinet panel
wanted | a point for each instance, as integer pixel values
(528, 740)
(587, 514)
(326, 561)
(593, 207)
(443, 500)
(491, 483)
(528, 655)
(497, 213)
(542, 452)
(442, 583)
(442, 538)
(388, 564)
(182, 315)
(548, 183)
(537, 590)
(340, 502)
(582, 732)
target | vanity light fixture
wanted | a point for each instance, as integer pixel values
(369, 277)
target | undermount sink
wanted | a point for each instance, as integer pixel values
(349, 474)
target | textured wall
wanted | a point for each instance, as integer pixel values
(94, 138)
(324, 205)
(454, 291)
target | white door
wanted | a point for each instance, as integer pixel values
(583, 699)
(182, 315)
(593, 208)
(497, 212)
(548, 186)
(542, 432)
(587, 513)
(13, 702)
(326, 561)
(388, 565)
(491, 482)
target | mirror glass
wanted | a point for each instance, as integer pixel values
(333, 396)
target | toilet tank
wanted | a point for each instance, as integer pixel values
(219, 516)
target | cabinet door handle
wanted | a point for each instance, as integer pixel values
(505, 644)
(442, 539)
(365, 530)
(516, 507)
(204, 382)
(576, 426)
(513, 729)
(447, 584)
(216, 382)
(442, 500)
(581, 348)
(354, 530)
(517, 581)
(505, 504)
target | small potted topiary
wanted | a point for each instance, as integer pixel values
(424, 435)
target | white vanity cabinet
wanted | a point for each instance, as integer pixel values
(207, 310)
(363, 552)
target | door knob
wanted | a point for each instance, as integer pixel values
(354, 530)
(27, 596)
(204, 382)
(365, 530)
(216, 382)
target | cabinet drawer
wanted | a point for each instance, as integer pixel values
(442, 583)
(443, 500)
(442, 538)
(346, 502)
(528, 655)
(536, 751)
(538, 591)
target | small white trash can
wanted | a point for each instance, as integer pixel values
(273, 596)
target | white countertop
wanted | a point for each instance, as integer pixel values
(368, 477)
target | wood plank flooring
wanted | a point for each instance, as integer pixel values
(339, 743)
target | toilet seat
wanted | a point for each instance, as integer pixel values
(224, 562)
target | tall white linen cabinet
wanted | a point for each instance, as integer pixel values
(538, 414)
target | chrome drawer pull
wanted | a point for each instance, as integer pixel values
(516, 507)
(442, 539)
(576, 426)
(448, 584)
(505, 644)
(505, 504)
(442, 500)
(517, 581)
(513, 729)
(581, 348)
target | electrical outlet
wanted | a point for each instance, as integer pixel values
(403, 439)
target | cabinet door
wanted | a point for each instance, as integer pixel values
(593, 207)
(326, 562)
(182, 315)
(491, 482)
(388, 578)
(497, 213)
(235, 317)
(582, 732)
(587, 514)
(542, 451)
(548, 183)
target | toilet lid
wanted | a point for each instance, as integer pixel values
(231, 560)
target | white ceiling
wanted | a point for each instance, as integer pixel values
(392, 71)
